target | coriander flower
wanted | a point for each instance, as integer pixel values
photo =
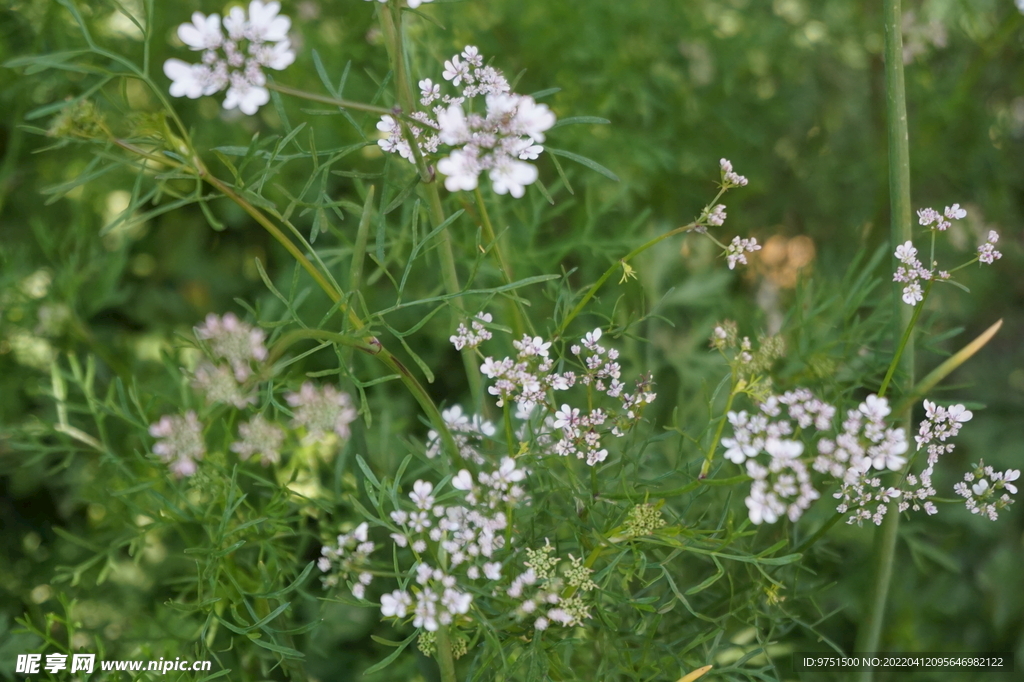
(987, 491)
(738, 249)
(499, 141)
(729, 177)
(255, 40)
(180, 442)
(322, 410)
(987, 253)
(235, 341)
(260, 437)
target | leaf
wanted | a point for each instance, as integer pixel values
(380, 665)
(577, 120)
(582, 160)
(285, 651)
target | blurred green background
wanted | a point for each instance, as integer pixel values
(790, 90)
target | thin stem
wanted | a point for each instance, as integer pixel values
(324, 99)
(904, 341)
(869, 635)
(611, 271)
(499, 255)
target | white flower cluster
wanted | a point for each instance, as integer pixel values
(471, 338)
(255, 40)
(467, 431)
(738, 249)
(568, 430)
(783, 487)
(984, 489)
(911, 273)
(730, 178)
(987, 252)
(464, 537)
(528, 377)
(180, 442)
(348, 558)
(322, 410)
(231, 341)
(499, 141)
(929, 217)
(546, 597)
(939, 425)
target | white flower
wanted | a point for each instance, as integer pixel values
(912, 294)
(395, 604)
(954, 212)
(420, 494)
(247, 97)
(203, 33)
(512, 177)
(980, 487)
(463, 480)
(875, 408)
(264, 23)
(906, 253)
(187, 80)
(493, 569)
(453, 126)
(459, 171)
(737, 250)
(1011, 474)
(228, 64)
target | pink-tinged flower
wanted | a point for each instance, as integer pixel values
(180, 442)
(322, 410)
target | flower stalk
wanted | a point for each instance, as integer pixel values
(870, 633)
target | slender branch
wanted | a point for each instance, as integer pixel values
(611, 271)
(324, 99)
(905, 340)
(869, 634)
(518, 315)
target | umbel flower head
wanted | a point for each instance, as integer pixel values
(255, 40)
(499, 137)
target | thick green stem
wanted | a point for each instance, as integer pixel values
(445, 660)
(869, 634)
(391, 27)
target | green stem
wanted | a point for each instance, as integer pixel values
(904, 341)
(445, 660)
(869, 634)
(499, 255)
(611, 271)
(391, 26)
(323, 99)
